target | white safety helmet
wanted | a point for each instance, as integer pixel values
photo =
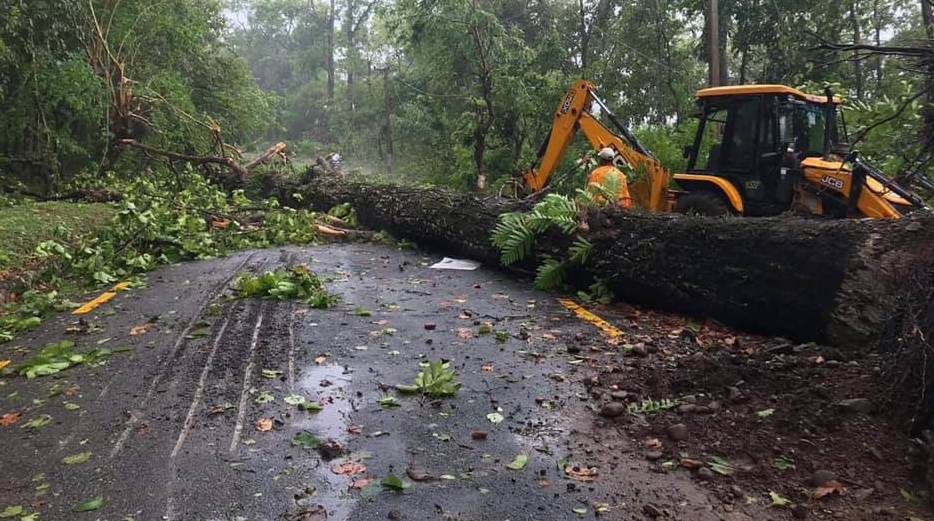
(607, 154)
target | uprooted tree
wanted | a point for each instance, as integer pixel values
(841, 282)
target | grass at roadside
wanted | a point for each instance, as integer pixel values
(26, 225)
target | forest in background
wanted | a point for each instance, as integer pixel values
(430, 91)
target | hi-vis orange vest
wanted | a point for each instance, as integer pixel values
(600, 174)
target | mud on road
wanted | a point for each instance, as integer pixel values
(197, 419)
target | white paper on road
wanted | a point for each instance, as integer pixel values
(456, 264)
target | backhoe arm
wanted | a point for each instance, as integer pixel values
(650, 191)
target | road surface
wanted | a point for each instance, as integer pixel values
(172, 424)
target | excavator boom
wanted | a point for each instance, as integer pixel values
(649, 191)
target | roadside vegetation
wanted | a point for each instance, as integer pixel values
(159, 220)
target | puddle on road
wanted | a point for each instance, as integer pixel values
(328, 384)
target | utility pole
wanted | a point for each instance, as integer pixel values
(713, 31)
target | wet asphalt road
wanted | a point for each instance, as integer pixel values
(172, 424)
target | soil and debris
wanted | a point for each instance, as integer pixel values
(764, 423)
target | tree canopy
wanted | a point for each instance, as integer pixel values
(454, 92)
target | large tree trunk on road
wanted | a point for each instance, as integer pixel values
(810, 280)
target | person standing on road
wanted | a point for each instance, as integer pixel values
(602, 174)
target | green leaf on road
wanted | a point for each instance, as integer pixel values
(581, 511)
(12, 511)
(395, 482)
(502, 336)
(198, 333)
(294, 399)
(312, 406)
(783, 463)
(721, 466)
(389, 401)
(306, 440)
(77, 459)
(765, 413)
(72, 407)
(778, 500)
(495, 417)
(264, 397)
(363, 312)
(441, 436)
(562, 464)
(89, 505)
(38, 423)
(518, 463)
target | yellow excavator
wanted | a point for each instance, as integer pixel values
(759, 150)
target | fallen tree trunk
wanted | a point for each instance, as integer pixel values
(810, 280)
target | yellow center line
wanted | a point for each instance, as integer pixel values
(101, 300)
(607, 328)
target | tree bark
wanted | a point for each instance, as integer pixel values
(485, 112)
(857, 61)
(809, 280)
(330, 57)
(713, 34)
(387, 127)
(877, 27)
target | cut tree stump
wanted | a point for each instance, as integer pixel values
(833, 281)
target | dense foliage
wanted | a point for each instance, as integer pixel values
(453, 89)
(444, 91)
(160, 221)
(78, 75)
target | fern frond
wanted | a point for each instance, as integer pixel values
(551, 274)
(555, 210)
(514, 238)
(585, 198)
(609, 189)
(580, 251)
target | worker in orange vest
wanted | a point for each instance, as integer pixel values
(606, 168)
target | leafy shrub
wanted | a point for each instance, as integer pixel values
(298, 283)
(437, 381)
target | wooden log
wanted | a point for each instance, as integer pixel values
(457, 222)
(833, 281)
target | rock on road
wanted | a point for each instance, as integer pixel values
(171, 425)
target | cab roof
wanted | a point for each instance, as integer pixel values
(739, 90)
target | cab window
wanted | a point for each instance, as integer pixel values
(711, 144)
(728, 140)
(741, 134)
(802, 125)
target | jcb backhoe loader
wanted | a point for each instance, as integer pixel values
(759, 150)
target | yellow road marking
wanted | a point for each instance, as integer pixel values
(101, 300)
(607, 328)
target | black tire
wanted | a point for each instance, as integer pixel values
(702, 203)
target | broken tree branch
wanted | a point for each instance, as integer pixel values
(242, 171)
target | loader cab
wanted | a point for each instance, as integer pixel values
(748, 143)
